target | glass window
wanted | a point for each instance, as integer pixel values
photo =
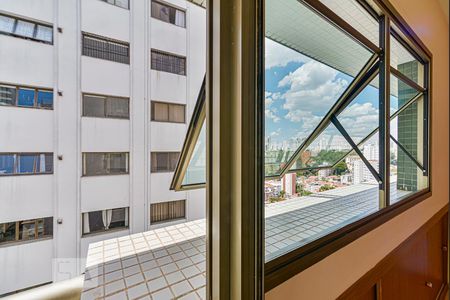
(122, 3)
(403, 61)
(167, 211)
(25, 29)
(117, 108)
(25, 97)
(168, 62)
(196, 170)
(26, 230)
(168, 112)
(168, 14)
(7, 164)
(45, 99)
(104, 220)
(26, 163)
(164, 161)
(105, 163)
(93, 106)
(7, 95)
(44, 33)
(104, 48)
(7, 24)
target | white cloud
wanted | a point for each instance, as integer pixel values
(277, 55)
(271, 114)
(312, 89)
(359, 119)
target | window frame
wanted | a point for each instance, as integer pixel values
(105, 99)
(114, 4)
(17, 239)
(107, 55)
(36, 95)
(83, 168)
(152, 113)
(172, 219)
(35, 23)
(36, 154)
(168, 6)
(169, 153)
(126, 227)
(157, 51)
(289, 264)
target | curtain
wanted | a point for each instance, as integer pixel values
(180, 19)
(126, 216)
(86, 228)
(107, 217)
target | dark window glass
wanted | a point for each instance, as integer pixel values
(7, 163)
(119, 3)
(7, 95)
(105, 164)
(105, 107)
(26, 230)
(117, 108)
(93, 106)
(168, 14)
(168, 63)
(26, 163)
(25, 97)
(103, 220)
(167, 211)
(164, 161)
(106, 49)
(45, 99)
(168, 112)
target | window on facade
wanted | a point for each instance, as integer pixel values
(167, 211)
(168, 14)
(26, 97)
(120, 3)
(26, 230)
(104, 220)
(166, 62)
(168, 112)
(26, 163)
(328, 102)
(26, 29)
(164, 161)
(104, 48)
(109, 163)
(105, 107)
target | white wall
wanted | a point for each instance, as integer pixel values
(104, 77)
(41, 10)
(112, 22)
(105, 135)
(26, 62)
(167, 136)
(26, 129)
(33, 259)
(26, 197)
(102, 192)
(168, 87)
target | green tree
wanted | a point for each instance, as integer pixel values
(282, 193)
(340, 168)
(326, 187)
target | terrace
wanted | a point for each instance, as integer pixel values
(170, 262)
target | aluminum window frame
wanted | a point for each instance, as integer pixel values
(35, 23)
(109, 230)
(291, 263)
(17, 155)
(170, 7)
(183, 70)
(36, 95)
(18, 240)
(105, 98)
(169, 220)
(108, 154)
(169, 104)
(105, 54)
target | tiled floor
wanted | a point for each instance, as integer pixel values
(169, 263)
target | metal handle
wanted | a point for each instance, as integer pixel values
(429, 284)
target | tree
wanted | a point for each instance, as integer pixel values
(340, 168)
(282, 193)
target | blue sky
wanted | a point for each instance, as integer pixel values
(299, 91)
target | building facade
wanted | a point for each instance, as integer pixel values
(95, 98)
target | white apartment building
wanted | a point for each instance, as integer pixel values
(361, 173)
(95, 98)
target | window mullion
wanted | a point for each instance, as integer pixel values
(384, 111)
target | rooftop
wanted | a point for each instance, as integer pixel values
(170, 262)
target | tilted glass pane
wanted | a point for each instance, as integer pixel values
(401, 93)
(306, 71)
(324, 151)
(6, 24)
(361, 116)
(356, 16)
(196, 170)
(406, 177)
(403, 61)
